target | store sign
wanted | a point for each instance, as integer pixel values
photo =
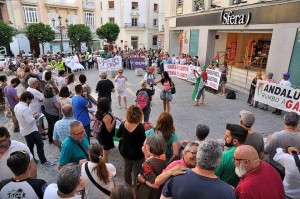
(229, 18)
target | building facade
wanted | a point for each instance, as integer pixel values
(250, 36)
(138, 21)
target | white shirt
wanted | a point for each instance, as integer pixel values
(291, 181)
(51, 193)
(25, 118)
(91, 191)
(286, 83)
(6, 173)
(36, 103)
(60, 82)
(173, 60)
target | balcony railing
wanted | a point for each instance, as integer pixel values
(135, 26)
(62, 3)
(29, 1)
(89, 4)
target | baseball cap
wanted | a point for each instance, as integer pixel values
(247, 118)
(287, 74)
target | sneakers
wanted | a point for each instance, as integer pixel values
(48, 164)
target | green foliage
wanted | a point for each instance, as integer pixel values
(40, 32)
(6, 33)
(109, 31)
(79, 33)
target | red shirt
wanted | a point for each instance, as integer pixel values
(261, 183)
(174, 163)
(204, 76)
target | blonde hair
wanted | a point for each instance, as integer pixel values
(143, 83)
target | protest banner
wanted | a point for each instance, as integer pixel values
(137, 63)
(109, 64)
(278, 96)
(186, 72)
(213, 78)
(72, 63)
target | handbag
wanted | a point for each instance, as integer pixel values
(173, 89)
(97, 128)
(105, 191)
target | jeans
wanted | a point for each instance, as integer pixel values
(51, 119)
(87, 129)
(146, 112)
(35, 138)
(134, 166)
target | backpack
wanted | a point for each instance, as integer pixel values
(142, 99)
(231, 95)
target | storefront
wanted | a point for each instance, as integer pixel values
(246, 37)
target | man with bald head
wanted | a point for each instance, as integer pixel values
(258, 179)
(61, 127)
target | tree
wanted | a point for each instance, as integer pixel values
(109, 31)
(6, 34)
(40, 32)
(79, 33)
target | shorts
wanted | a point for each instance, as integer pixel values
(166, 95)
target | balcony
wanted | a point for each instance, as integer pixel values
(62, 4)
(89, 5)
(64, 36)
(29, 2)
(135, 26)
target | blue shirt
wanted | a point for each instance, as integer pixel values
(71, 152)
(80, 109)
(62, 128)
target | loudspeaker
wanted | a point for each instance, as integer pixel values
(216, 36)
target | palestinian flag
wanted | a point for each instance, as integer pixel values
(198, 80)
(216, 59)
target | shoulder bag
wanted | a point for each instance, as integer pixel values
(84, 151)
(296, 157)
(105, 191)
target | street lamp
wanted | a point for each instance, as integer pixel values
(60, 28)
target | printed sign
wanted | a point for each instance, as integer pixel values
(137, 63)
(229, 18)
(109, 64)
(278, 96)
(187, 73)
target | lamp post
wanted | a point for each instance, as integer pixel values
(60, 28)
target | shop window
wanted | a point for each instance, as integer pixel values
(111, 4)
(294, 68)
(134, 5)
(134, 42)
(155, 7)
(154, 40)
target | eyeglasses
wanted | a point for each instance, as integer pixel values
(238, 159)
(193, 153)
(78, 134)
(19, 152)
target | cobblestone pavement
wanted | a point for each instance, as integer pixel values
(216, 112)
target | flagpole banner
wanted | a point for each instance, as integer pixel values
(213, 78)
(108, 64)
(137, 63)
(72, 63)
(278, 96)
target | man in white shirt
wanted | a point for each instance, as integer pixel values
(68, 184)
(61, 79)
(285, 82)
(28, 127)
(7, 147)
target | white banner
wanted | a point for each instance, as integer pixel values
(72, 63)
(278, 96)
(109, 64)
(187, 73)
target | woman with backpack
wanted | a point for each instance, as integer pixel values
(165, 94)
(143, 99)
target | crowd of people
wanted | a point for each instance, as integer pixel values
(156, 164)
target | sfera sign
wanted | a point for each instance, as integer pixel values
(229, 18)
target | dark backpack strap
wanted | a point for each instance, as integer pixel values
(84, 151)
(296, 157)
(93, 181)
